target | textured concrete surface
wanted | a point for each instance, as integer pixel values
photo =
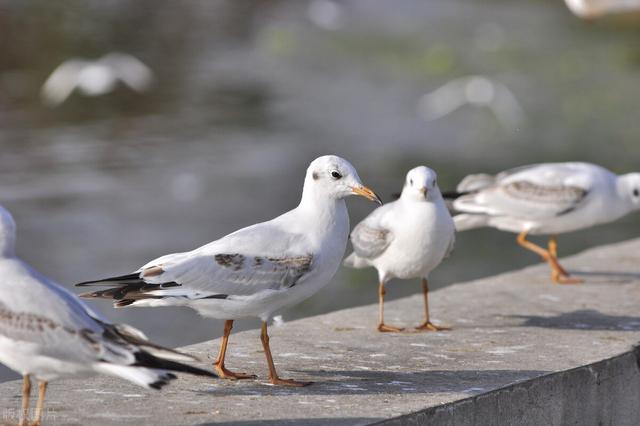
(522, 351)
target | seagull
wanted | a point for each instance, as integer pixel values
(95, 78)
(46, 332)
(405, 239)
(590, 9)
(546, 199)
(477, 91)
(258, 270)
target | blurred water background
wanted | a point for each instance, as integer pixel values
(247, 93)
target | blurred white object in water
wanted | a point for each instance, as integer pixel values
(326, 14)
(94, 78)
(589, 9)
(473, 90)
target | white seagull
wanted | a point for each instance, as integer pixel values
(477, 91)
(46, 332)
(405, 239)
(546, 199)
(258, 270)
(590, 9)
(95, 78)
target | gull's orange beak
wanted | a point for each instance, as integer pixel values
(365, 192)
(423, 191)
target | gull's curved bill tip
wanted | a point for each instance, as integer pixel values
(367, 193)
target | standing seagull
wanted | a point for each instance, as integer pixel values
(47, 332)
(546, 199)
(405, 239)
(258, 270)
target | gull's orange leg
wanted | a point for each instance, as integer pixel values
(427, 325)
(42, 390)
(381, 325)
(273, 375)
(26, 396)
(558, 273)
(223, 373)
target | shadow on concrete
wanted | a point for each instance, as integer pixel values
(606, 277)
(305, 421)
(358, 382)
(584, 319)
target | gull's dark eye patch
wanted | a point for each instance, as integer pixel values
(411, 182)
(636, 192)
(336, 175)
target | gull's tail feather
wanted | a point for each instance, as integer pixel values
(124, 289)
(467, 221)
(146, 377)
(354, 261)
(449, 198)
(147, 360)
(145, 363)
(113, 281)
(135, 337)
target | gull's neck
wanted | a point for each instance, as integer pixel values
(407, 197)
(323, 211)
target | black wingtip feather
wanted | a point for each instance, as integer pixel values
(113, 280)
(164, 380)
(452, 195)
(145, 359)
(122, 303)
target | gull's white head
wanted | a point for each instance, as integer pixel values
(629, 189)
(421, 184)
(334, 177)
(7, 233)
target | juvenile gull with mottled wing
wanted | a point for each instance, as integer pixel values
(258, 270)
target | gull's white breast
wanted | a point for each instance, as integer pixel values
(422, 236)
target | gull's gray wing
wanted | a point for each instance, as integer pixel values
(241, 264)
(230, 273)
(56, 340)
(371, 237)
(533, 192)
(370, 242)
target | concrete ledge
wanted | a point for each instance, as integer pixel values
(523, 351)
(605, 392)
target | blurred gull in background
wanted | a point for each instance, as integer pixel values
(473, 90)
(546, 199)
(326, 14)
(590, 9)
(95, 78)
